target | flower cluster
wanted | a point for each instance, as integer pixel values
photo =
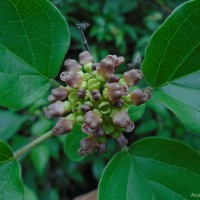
(97, 99)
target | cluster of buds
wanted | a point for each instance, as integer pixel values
(97, 99)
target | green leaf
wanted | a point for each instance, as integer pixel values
(136, 112)
(172, 64)
(5, 153)
(29, 194)
(152, 168)
(34, 39)
(11, 187)
(40, 157)
(7, 118)
(72, 143)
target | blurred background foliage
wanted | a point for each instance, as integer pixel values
(121, 27)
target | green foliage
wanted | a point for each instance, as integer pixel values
(171, 64)
(7, 118)
(152, 168)
(34, 40)
(10, 175)
(72, 143)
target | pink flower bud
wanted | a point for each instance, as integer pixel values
(113, 78)
(114, 92)
(72, 79)
(82, 93)
(85, 108)
(139, 97)
(88, 145)
(119, 103)
(92, 119)
(116, 60)
(102, 148)
(105, 68)
(124, 90)
(96, 95)
(63, 126)
(52, 98)
(72, 66)
(85, 58)
(121, 141)
(60, 93)
(56, 109)
(132, 77)
(121, 119)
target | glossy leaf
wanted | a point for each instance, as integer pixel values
(34, 39)
(152, 168)
(11, 186)
(172, 63)
(7, 118)
(72, 143)
(136, 112)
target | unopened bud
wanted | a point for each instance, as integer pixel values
(96, 95)
(102, 148)
(72, 66)
(124, 90)
(121, 141)
(52, 98)
(60, 93)
(119, 103)
(85, 58)
(121, 119)
(132, 77)
(63, 126)
(114, 92)
(56, 109)
(82, 93)
(85, 108)
(113, 78)
(92, 119)
(105, 68)
(73, 80)
(139, 97)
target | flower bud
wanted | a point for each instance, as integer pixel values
(102, 148)
(124, 90)
(72, 66)
(121, 119)
(98, 132)
(132, 77)
(56, 109)
(73, 80)
(116, 60)
(113, 78)
(119, 103)
(64, 125)
(105, 68)
(92, 119)
(82, 93)
(139, 97)
(85, 58)
(114, 92)
(121, 141)
(60, 93)
(96, 95)
(51, 98)
(88, 145)
(85, 108)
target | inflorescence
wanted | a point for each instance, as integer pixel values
(97, 99)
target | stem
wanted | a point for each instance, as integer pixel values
(31, 145)
(54, 82)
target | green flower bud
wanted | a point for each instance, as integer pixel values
(86, 76)
(73, 96)
(72, 117)
(93, 84)
(104, 107)
(80, 119)
(88, 67)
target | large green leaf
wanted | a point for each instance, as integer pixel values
(152, 168)
(34, 39)
(172, 63)
(11, 187)
(7, 118)
(72, 143)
